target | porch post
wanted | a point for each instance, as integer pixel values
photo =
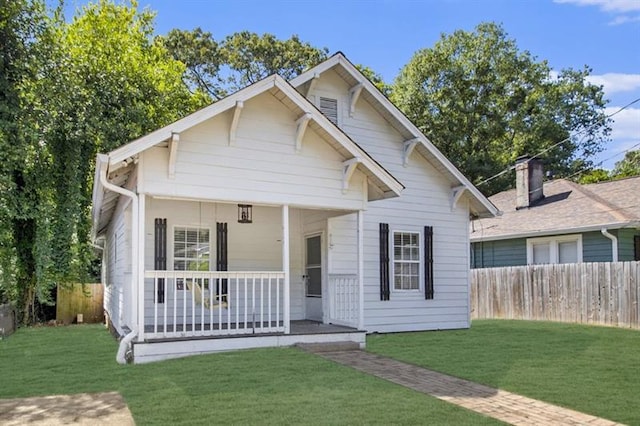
(285, 268)
(360, 270)
(140, 272)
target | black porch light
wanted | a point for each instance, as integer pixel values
(244, 213)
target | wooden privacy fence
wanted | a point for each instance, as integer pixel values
(591, 293)
(74, 299)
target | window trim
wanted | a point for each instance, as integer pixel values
(392, 261)
(553, 247)
(173, 247)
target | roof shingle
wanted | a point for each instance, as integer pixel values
(566, 207)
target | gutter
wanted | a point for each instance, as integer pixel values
(103, 163)
(549, 232)
(614, 244)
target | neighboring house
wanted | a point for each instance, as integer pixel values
(559, 221)
(302, 211)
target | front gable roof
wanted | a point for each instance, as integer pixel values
(480, 205)
(567, 207)
(119, 162)
(388, 185)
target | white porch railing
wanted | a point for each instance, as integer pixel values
(189, 303)
(344, 299)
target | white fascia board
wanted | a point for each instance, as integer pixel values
(163, 134)
(560, 231)
(102, 161)
(318, 69)
(337, 134)
(340, 59)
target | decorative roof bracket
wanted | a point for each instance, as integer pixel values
(407, 149)
(173, 154)
(354, 94)
(301, 124)
(456, 193)
(312, 83)
(234, 121)
(348, 167)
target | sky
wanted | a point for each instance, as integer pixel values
(385, 34)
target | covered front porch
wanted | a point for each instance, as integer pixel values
(209, 274)
(197, 304)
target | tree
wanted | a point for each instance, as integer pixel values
(376, 79)
(98, 82)
(243, 58)
(483, 102)
(21, 24)
(202, 56)
(594, 176)
(628, 166)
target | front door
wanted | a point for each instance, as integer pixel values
(313, 277)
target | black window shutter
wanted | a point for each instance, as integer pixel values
(160, 255)
(428, 262)
(222, 263)
(636, 247)
(384, 261)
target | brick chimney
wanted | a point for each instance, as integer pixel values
(529, 180)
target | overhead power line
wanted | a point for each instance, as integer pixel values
(508, 169)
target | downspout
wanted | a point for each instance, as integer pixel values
(614, 244)
(125, 343)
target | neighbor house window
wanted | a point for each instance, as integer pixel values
(561, 249)
(406, 260)
(191, 249)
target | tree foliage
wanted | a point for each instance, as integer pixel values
(96, 83)
(376, 79)
(243, 58)
(21, 225)
(483, 103)
(628, 166)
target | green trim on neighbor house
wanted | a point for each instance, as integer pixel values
(595, 248)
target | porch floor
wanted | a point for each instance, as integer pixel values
(302, 332)
(298, 327)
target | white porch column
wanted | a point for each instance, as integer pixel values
(360, 270)
(139, 274)
(285, 269)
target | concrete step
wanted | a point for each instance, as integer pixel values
(329, 346)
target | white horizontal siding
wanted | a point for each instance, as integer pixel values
(261, 166)
(425, 201)
(343, 244)
(117, 293)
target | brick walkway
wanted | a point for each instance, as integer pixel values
(505, 406)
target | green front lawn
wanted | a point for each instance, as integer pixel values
(595, 370)
(267, 386)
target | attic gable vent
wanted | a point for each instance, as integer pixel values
(329, 107)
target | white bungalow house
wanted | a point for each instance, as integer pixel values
(309, 210)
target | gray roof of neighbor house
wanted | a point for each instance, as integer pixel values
(567, 207)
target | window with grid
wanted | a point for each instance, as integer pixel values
(191, 251)
(406, 260)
